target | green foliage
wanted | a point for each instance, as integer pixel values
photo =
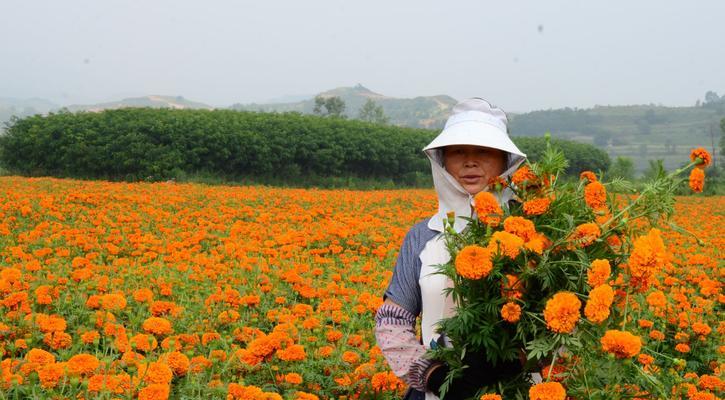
(332, 106)
(581, 157)
(566, 119)
(285, 149)
(656, 170)
(156, 144)
(372, 112)
(722, 137)
(623, 167)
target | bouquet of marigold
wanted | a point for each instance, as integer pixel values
(550, 281)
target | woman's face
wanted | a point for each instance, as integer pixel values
(473, 166)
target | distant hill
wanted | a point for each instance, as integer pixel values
(640, 132)
(10, 106)
(418, 112)
(152, 101)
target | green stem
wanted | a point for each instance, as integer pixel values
(654, 383)
(271, 374)
(551, 367)
(626, 308)
(660, 355)
(684, 231)
(633, 203)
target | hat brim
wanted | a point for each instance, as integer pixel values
(475, 134)
(478, 134)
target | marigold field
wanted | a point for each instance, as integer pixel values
(149, 291)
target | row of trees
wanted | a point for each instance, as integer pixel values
(334, 106)
(141, 143)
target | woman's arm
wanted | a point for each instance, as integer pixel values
(395, 334)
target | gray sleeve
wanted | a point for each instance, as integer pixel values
(404, 289)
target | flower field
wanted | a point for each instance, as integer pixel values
(149, 291)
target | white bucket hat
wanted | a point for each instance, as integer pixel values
(472, 122)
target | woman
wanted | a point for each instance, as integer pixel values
(473, 148)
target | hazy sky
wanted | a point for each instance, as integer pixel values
(521, 55)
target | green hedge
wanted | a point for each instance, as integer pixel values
(152, 144)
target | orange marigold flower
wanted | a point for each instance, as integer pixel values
(83, 364)
(208, 337)
(710, 382)
(702, 157)
(562, 312)
(344, 380)
(621, 344)
(598, 273)
(648, 255)
(547, 391)
(305, 396)
(178, 362)
(537, 244)
(505, 244)
(524, 175)
(154, 391)
(487, 208)
(701, 328)
(682, 347)
(155, 372)
(333, 335)
(50, 323)
(157, 326)
(697, 180)
(600, 299)
(520, 227)
(293, 378)
(51, 374)
(90, 337)
(228, 316)
(490, 396)
(645, 359)
(143, 295)
(325, 351)
(657, 299)
(57, 340)
(113, 302)
(584, 235)
(537, 206)
(511, 312)
(11, 275)
(645, 323)
(588, 175)
(236, 391)
(595, 195)
(656, 335)
(350, 357)
(474, 262)
(614, 241)
(386, 381)
(200, 363)
(292, 353)
(39, 357)
(160, 307)
(43, 294)
(144, 342)
(695, 395)
(117, 384)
